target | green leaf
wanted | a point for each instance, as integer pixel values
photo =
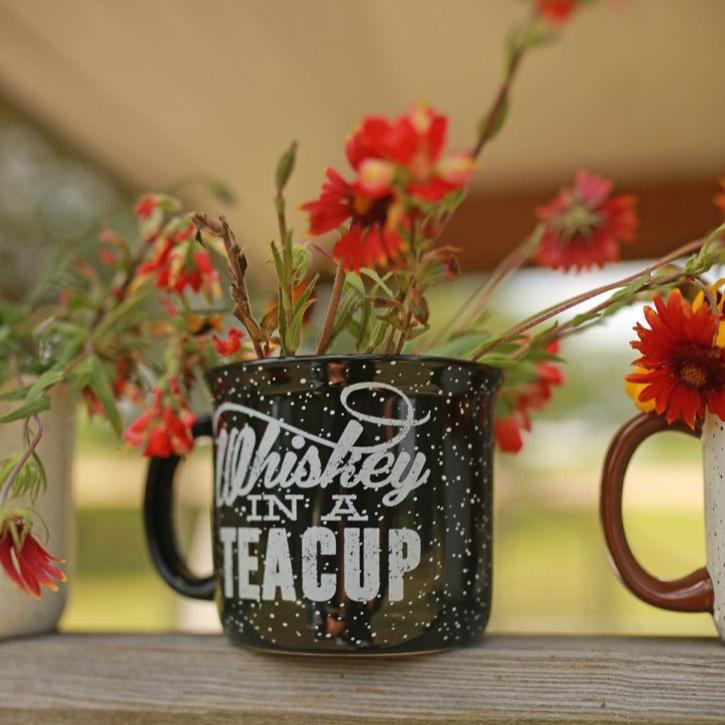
(32, 407)
(490, 125)
(47, 380)
(278, 263)
(30, 480)
(451, 201)
(296, 329)
(344, 319)
(378, 335)
(100, 384)
(222, 191)
(121, 311)
(285, 166)
(305, 296)
(17, 394)
(282, 323)
(538, 32)
(353, 280)
(375, 277)
(459, 346)
(300, 260)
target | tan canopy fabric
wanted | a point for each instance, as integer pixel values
(160, 89)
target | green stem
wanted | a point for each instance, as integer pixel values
(286, 260)
(475, 304)
(541, 317)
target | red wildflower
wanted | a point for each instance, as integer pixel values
(415, 143)
(230, 345)
(684, 367)
(107, 256)
(25, 561)
(584, 225)
(208, 276)
(164, 430)
(159, 261)
(395, 162)
(146, 206)
(416, 138)
(371, 239)
(176, 267)
(507, 431)
(523, 398)
(556, 12)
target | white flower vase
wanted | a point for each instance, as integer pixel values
(713, 446)
(21, 614)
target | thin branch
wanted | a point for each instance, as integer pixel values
(332, 307)
(32, 445)
(493, 118)
(475, 304)
(8, 484)
(237, 263)
(547, 314)
(389, 339)
(403, 334)
(569, 328)
(120, 294)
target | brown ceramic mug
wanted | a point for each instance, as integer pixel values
(704, 589)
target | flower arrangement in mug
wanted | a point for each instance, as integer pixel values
(100, 337)
(681, 371)
(388, 220)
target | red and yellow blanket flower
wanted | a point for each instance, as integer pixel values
(398, 164)
(682, 366)
(584, 225)
(25, 561)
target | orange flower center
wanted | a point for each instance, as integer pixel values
(368, 211)
(693, 375)
(700, 369)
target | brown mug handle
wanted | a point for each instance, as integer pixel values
(692, 593)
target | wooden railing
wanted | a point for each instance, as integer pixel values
(179, 678)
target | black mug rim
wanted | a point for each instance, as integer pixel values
(494, 374)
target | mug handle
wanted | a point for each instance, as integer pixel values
(160, 529)
(692, 593)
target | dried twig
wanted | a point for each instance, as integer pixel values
(327, 328)
(237, 263)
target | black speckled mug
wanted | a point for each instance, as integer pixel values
(352, 504)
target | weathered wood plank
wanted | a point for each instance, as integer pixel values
(116, 678)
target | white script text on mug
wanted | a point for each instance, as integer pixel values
(241, 463)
